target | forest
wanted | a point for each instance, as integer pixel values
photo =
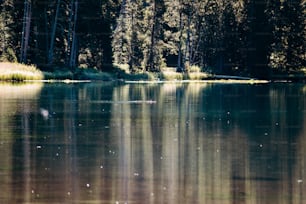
(230, 37)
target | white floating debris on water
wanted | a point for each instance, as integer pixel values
(136, 174)
(261, 145)
(228, 113)
(101, 167)
(266, 133)
(276, 124)
(44, 113)
(38, 147)
(161, 158)
(300, 181)
(218, 150)
(111, 152)
(68, 193)
(80, 124)
(32, 191)
(87, 185)
(57, 154)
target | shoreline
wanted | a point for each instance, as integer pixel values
(16, 72)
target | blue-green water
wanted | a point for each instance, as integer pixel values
(153, 143)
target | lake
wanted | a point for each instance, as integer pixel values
(179, 143)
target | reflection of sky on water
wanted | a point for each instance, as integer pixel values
(197, 143)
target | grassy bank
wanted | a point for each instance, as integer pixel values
(79, 74)
(166, 74)
(19, 72)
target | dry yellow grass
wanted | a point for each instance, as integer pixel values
(19, 72)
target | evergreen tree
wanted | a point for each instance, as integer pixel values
(259, 38)
(234, 28)
(288, 45)
(6, 31)
(123, 33)
(229, 37)
(154, 55)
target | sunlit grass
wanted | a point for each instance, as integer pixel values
(19, 72)
(172, 75)
(197, 76)
(169, 75)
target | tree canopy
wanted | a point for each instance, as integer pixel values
(241, 37)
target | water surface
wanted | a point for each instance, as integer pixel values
(152, 143)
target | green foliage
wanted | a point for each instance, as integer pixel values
(92, 74)
(237, 37)
(8, 55)
(287, 19)
(58, 75)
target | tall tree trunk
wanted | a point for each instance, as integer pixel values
(132, 43)
(25, 30)
(70, 34)
(150, 65)
(187, 54)
(73, 50)
(53, 32)
(180, 65)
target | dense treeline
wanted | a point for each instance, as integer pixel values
(242, 37)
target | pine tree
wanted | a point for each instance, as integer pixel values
(258, 36)
(122, 34)
(154, 55)
(6, 31)
(286, 20)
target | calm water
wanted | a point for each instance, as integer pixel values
(153, 143)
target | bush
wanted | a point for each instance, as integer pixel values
(194, 68)
(168, 76)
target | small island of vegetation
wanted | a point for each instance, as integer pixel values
(152, 40)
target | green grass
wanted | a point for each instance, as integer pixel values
(79, 74)
(58, 75)
(19, 72)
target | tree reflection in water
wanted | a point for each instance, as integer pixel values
(199, 143)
